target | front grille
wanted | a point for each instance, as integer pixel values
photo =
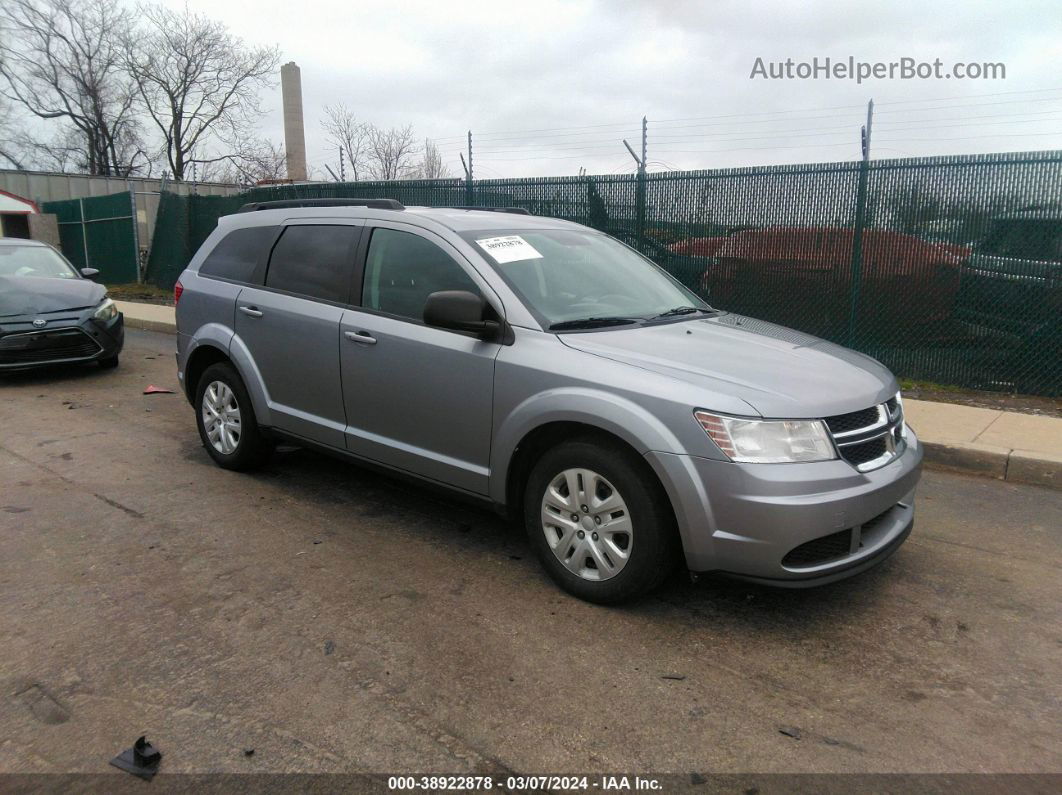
(853, 421)
(47, 346)
(865, 452)
(831, 547)
(870, 437)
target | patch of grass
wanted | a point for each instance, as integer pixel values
(907, 384)
(140, 292)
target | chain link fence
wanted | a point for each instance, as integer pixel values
(947, 269)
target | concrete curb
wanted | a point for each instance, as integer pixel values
(149, 317)
(145, 324)
(1001, 463)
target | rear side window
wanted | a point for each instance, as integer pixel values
(314, 261)
(238, 253)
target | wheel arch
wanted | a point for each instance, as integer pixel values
(199, 360)
(222, 345)
(536, 442)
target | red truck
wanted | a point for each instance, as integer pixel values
(802, 276)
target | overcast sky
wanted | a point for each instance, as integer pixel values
(548, 87)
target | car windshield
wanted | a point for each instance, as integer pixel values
(1029, 238)
(40, 261)
(569, 276)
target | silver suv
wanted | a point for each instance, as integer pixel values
(554, 373)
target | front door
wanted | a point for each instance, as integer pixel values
(417, 398)
(291, 328)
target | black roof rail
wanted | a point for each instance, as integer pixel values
(283, 204)
(513, 210)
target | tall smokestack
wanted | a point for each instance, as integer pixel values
(294, 134)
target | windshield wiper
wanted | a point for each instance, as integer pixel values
(592, 322)
(678, 310)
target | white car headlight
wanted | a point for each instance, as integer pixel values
(106, 311)
(768, 441)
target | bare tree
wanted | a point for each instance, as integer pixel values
(199, 83)
(391, 153)
(255, 161)
(432, 166)
(11, 150)
(343, 131)
(64, 59)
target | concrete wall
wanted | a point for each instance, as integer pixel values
(44, 227)
(44, 186)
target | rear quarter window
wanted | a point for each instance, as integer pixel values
(238, 254)
(315, 261)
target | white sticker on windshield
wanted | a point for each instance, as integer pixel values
(509, 248)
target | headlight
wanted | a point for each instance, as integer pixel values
(106, 311)
(768, 441)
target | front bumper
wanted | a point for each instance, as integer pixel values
(750, 519)
(70, 340)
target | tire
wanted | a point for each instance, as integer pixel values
(109, 363)
(612, 471)
(238, 445)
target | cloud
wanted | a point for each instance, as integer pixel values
(534, 68)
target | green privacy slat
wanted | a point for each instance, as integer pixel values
(104, 239)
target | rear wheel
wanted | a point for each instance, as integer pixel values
(599, 521)
(226, 420)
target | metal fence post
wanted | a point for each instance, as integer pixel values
(857, 234)
(640, 196)
(640, 199)
(84, 232)
(857, 252)
(470, 198)
(135, 221)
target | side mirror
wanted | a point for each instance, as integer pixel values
(90, 273)
(459, 310)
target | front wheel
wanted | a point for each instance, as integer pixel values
(599, 521)
(226, 420)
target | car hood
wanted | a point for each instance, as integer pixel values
(28, 295)
(778, 371)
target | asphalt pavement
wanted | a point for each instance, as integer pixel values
(336, 620)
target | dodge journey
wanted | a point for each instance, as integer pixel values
(554, 373)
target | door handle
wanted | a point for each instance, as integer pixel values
(251, 311)
(360, 337)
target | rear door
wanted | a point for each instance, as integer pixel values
(290, 325)
(417, 398)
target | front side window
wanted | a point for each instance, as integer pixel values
(403, 269)
(314, 261)
(238, 253)
(40, 261)
(566, 277)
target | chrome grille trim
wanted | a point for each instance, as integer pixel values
(887, 426)
(882, 422)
